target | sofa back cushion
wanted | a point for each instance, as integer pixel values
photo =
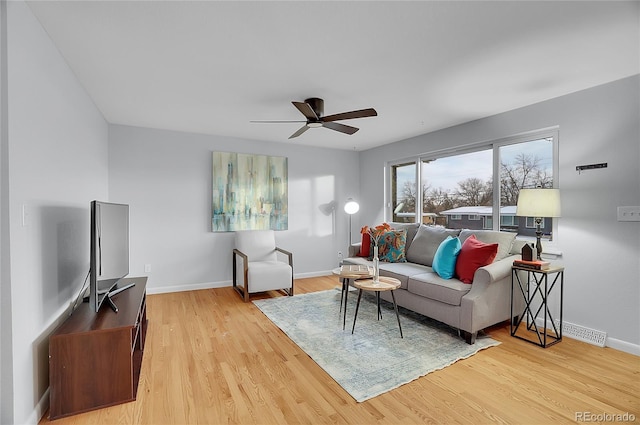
(426, 242)
(503, 239)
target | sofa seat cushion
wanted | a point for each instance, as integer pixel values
(432, 286)
(426, 243)
(402, 271)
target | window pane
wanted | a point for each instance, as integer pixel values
(524, 165)
(458, 190)
(488, 222)
(403, 193)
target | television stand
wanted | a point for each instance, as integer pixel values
(115, 292)
(95, 358)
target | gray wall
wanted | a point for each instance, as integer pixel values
(601, 255)
(165, 176)
(56, 163)
(57, 154)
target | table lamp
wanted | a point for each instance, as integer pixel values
(538, 203)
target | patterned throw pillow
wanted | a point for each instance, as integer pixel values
(391, 246)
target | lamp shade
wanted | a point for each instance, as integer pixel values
(538, 203)
(351, 207)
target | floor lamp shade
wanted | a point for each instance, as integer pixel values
(351, 207)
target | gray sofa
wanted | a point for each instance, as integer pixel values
(467, 307)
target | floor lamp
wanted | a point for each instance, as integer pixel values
(538, 203)
(351, 207)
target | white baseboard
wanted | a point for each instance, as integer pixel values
(627, 347)
(40, 409)
(190, 287)
(209, 285)
(593, 337)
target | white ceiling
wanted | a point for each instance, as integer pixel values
(212, 66)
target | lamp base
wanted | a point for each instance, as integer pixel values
(538, 237)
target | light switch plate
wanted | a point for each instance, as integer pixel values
(629, 213)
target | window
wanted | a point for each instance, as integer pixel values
(526, 164)
(403, 192)
(458, 186)
(477, 187)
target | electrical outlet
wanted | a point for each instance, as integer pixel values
(628, 213)
(147, 268)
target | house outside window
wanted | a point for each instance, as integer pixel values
(476, 187)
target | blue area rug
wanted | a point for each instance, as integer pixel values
(374, 359)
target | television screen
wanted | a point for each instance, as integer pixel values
(109, 249)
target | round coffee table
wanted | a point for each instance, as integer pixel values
(347, 273)
(384, 284)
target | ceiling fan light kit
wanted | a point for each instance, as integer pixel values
(313, 111)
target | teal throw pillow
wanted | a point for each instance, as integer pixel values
(444, 260)
(391, 246)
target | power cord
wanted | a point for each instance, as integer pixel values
(82, 290)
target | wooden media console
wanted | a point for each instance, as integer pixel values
(95, 358)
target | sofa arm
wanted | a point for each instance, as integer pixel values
(488, 301)
(494, 271)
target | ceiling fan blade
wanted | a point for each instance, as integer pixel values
(340, 127)
(300, 131)
(362, 113)
(271, 121)
(306, 110)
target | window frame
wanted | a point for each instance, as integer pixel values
(494, 145)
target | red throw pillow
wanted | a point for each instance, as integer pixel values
(474, 254)
(365, 246)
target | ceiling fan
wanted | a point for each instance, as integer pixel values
(313, 110)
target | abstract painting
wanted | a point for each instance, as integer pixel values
(250, 192)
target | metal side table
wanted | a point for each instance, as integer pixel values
(536, 290)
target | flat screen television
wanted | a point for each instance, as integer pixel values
(109, 252)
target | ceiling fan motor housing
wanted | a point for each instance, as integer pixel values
(316, 104)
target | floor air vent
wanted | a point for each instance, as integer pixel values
(581, 333)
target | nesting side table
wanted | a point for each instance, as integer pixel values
(347, 273)
(384, 284)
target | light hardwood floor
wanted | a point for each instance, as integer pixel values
(212, 359)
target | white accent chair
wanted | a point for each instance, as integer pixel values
(255, 261)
